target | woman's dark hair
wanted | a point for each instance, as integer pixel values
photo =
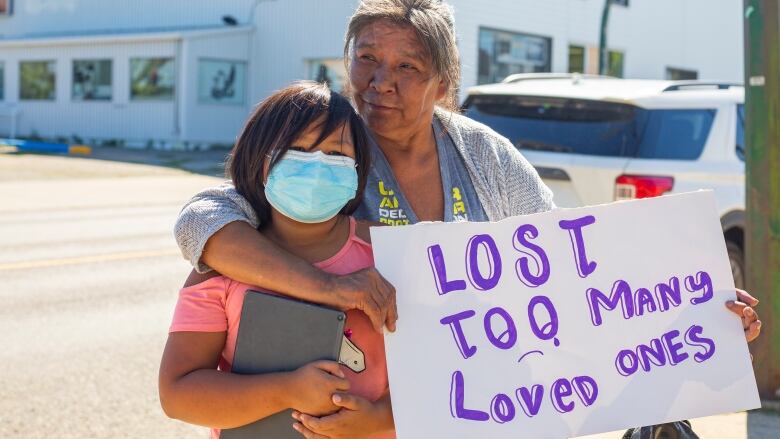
(274, 126)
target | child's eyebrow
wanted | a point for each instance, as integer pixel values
(345, 140)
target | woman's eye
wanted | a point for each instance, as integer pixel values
(367, 57)
(297, 148)
(337, 153)
(408, 67)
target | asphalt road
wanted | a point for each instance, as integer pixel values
(89, 273)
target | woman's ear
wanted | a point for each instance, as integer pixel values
(441, 90)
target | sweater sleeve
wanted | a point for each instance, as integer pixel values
(524, 190)
(205, 214)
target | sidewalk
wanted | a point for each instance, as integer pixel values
(209, 163)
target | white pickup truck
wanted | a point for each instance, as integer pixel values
(598, 139)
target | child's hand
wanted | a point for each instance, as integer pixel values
(313, 386)
(358, 418)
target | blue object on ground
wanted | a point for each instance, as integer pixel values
(31, 146)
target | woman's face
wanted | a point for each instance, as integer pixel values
(394, 85)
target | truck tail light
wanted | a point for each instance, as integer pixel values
(628, 187)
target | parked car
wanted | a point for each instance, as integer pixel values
(597, 139)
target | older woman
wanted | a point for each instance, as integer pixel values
(429, 164)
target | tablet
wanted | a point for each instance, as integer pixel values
(279, 334)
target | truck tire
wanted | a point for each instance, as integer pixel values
(737, 260)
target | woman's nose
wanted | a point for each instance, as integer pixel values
(383, 80)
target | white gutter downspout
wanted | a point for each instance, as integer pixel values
(182, 90)
(177, 92)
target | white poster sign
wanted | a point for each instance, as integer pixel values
(564, 323)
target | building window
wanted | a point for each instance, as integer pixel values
(330, 71)
(681, 74)
(576, 59)
(37, 80)
(6, 7)
(152, 78)
(620, 2)
(504, 53)
(92, 80)
(2, 81)
(615, 64)
(221, 82)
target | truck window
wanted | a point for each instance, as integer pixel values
(577, 126)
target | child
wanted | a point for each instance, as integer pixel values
(301, 161)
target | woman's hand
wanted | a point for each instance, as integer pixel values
(743, 307)
(358, 418)
(313, 386)
(367, 291)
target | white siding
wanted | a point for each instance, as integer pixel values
(653, 34)
(293, 31)
(702, 35)
(91, 16)
(211, 123)
(120, 118)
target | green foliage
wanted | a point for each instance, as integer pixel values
(37, 80)
(152, 78)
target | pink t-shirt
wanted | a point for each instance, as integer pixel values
(215, 305)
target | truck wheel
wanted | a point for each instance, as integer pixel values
(737, 260)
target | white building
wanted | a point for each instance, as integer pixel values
(187, 72)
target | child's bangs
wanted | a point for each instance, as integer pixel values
(313, 107)
(338, 113)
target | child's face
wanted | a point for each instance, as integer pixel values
(312, 184)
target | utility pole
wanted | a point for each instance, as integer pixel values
(603, 52)
(762, 135)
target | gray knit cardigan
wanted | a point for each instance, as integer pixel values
(506, 185)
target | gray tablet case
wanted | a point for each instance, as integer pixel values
(278, 334)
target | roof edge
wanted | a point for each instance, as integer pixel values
(109, 38)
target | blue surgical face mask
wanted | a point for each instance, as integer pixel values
(311, 187)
